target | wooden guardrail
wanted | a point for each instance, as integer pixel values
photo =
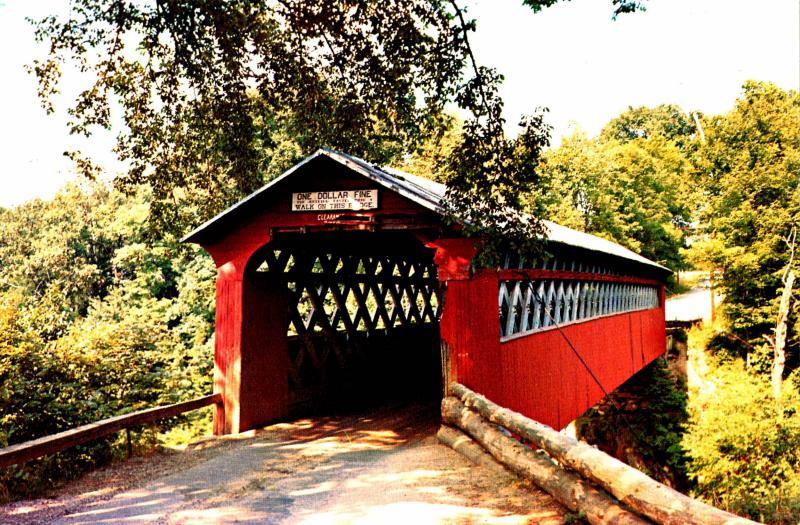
(568, 459)
(33, 449)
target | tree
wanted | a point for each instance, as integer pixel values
(431, 157)
(97, 318)
(622, 6)
(631, 184)
(744, 448)
(667, 121)
(213, 82)
(744, 432)
(217, 91)
(750, 173)
(778, 342)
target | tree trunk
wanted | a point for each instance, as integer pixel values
(568, 489)
(641, 493)
(713, 299)
(779, 345)
(466, 446)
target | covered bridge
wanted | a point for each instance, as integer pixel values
(340, 281)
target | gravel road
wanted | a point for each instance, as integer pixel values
(381, 467)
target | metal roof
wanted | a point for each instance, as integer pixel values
(428, 194)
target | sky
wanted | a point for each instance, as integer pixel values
(571, 58)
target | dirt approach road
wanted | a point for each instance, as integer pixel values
(380, 468)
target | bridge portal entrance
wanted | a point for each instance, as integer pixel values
(330, 292)
(361, 317)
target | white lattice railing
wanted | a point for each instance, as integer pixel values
(528, 306)
(564, 264)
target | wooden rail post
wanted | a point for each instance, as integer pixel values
(128, 440)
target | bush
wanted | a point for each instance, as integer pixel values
(97, 319)
(744, 447)
(642, 424)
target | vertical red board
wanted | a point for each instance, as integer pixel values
(470, 331)
(264, 389)
(227, 346)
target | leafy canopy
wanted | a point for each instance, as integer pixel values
(749, 170)
(621, 6)
(743, 448)
(211, 82)
(218, 96)
(97, 318)
(631, 184)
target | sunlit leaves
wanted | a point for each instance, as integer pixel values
(214, 88)
(750, 172)
(631, 185)
(744, 448)
(219, 96)
(620, 6)
(97, 317)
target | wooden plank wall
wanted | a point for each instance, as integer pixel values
(546, 381)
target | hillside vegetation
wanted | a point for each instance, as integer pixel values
(98, 317)
(726, 200)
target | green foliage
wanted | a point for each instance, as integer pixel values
(217, 93)
(744, 447)
(580, 517)
(430, 159)
(218, 96)
(621, 6)
(750, 172)
(491, 179)
(642, 423)
(97, 318)
(667, 121)
(629, 185)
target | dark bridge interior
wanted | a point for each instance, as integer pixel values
(363, 318)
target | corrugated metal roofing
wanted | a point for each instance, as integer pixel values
(429, 194)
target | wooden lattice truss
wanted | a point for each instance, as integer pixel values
(343, 295)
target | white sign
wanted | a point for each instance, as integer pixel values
(335, 200)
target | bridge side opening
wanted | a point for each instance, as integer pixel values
(362, 318)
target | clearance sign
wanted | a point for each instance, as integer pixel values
(335, 200)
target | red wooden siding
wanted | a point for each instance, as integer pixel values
(544, 379)
(251, 367)
(470, 331)
(538, 374)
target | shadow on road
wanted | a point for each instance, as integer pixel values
(382, 466)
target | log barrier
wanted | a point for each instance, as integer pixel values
(570, 466)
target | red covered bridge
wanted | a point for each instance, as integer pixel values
(340, 280)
